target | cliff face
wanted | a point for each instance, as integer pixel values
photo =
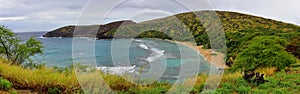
(88, 31)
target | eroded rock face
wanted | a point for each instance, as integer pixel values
(88, 30)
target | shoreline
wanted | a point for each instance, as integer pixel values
(217, 59)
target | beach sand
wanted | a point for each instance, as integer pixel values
(215, 58)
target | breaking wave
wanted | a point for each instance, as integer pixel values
(117, 70)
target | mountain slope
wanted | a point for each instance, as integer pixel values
(231, 21)
(86, 31)
(239, 30)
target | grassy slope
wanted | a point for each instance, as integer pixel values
(231, 22)
(39, 79)
(45, 80)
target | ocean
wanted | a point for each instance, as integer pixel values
(58, 52)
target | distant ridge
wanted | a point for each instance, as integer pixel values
(68, 31)
(231, 21)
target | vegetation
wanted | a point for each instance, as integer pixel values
(53, 81)
(15, 50)
(40, 79)
(154, 34)
(5, 84)
(294, 47)
(281, 82)
(264, 52)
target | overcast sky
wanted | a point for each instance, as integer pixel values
(46, 15)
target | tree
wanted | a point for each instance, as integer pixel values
(264, 51)
(16, 50)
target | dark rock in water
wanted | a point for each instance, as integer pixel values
(96, 31)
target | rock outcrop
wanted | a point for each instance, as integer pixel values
(88, 30)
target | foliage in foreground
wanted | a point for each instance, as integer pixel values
(282, 82)
(16, 50)
(52, 81)
(39, 79)
(5, 84)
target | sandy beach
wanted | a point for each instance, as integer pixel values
(215, 58)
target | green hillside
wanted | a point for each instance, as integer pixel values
(239, 30)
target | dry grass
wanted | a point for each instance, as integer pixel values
(231, 77)
(267, 71)
(44, 79)
(38, 79)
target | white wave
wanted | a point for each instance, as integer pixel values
(156, 54)
(144, 46)
(157, 51)
(150, 42)
(41, 37)
(136, 40)
(86, 37)
(57, 37)
(117, 70)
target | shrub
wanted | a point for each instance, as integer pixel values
(281, 91)
(13, 92)
(259, 91)
(227, 88)
(244, 90)
(54, 91)
(5, 84)
(16, 50)
(241, 82)
(294, 47)
(264, 52)
(157, 90)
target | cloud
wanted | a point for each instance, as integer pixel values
(45, 15)
(39, 15)
(12, 18)
(275, 9)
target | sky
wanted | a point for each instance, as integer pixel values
(47, 15)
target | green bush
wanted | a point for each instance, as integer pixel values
(155, 90)
(264, 51)
(16, 50)
(13, 92)
(243, 89)
(241, 82)
(5, 84)
(54, 91)
(294, 47)
(226, 88)
(281, 91)
(260, 91)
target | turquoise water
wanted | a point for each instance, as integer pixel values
(58, 52)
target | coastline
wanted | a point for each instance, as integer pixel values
(217, 59)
